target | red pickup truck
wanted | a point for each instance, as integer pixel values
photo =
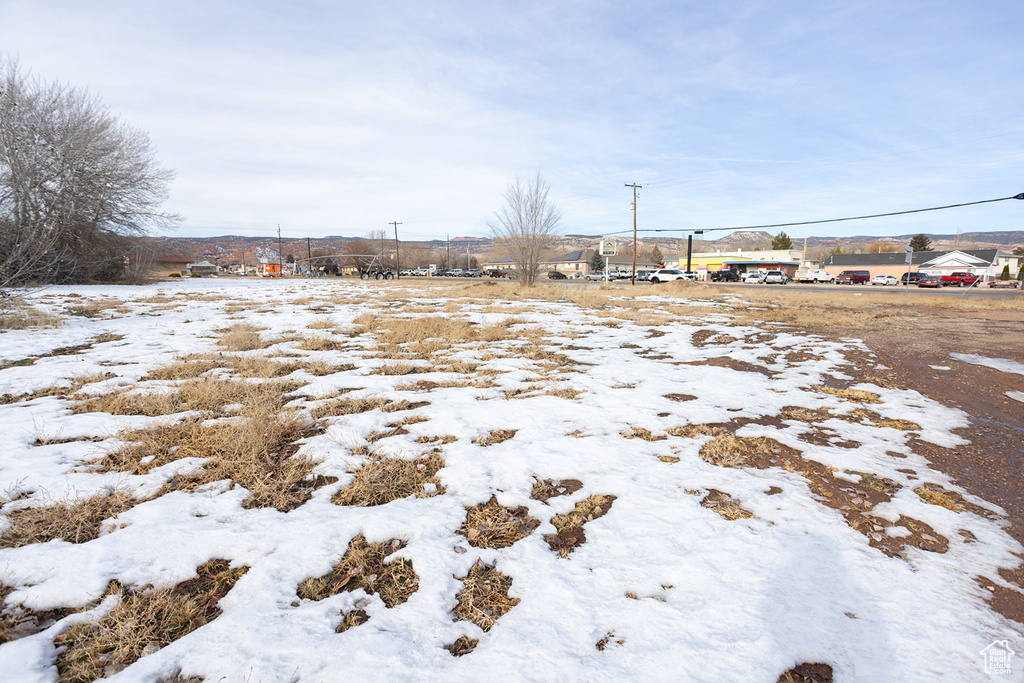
(962, 279)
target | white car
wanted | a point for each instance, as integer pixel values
(775, 277)
(669, 274)
(884, 280)
(754, 277)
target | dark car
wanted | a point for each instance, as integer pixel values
(929, 281)
(727, 275)
(555, 275)
(853, 277)
(913, 278)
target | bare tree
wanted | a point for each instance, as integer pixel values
(526, 224)
(76, 184)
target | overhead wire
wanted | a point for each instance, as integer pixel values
(826, 220)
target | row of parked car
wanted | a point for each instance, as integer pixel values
(454, 272)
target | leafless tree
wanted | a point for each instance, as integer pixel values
(76, 183)
(526, 224)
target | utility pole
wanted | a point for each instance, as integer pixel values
(280, 257)
(448, 253)
(632, 275)
(398, 267)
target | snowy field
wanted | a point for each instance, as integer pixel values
(678, 494)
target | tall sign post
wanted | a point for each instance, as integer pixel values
(910, 258)
(607, 249)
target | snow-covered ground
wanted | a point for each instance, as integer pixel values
(691, 595)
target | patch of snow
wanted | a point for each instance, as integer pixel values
(735, 600)
(1000, 364)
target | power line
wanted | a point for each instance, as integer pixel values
(827, 220)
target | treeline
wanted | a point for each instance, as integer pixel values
(78, 187)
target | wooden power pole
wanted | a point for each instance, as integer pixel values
(632, 276)
(398, 266)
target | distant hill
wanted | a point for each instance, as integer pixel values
(238, 248)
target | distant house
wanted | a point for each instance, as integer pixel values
(988, 263)
(202, 268)
(164, 264)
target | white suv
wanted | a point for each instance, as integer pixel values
(775, 277)
(669, 274)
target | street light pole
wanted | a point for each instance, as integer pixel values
(632, 275)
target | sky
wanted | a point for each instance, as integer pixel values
(336, 118)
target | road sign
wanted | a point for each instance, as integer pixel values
(608, 248)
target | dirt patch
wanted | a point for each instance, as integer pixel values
(545, 489)
(991, 466)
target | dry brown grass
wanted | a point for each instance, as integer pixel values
(462, 646)
(241, 337)
(725, 505)
(203, 393)
(693, 431)
(729, 450)
(484, 597)
(494, 436)
(851, 395)
(400, 369)
(75, 521)
(255, 450)
(143, 622)
(363, 567)
(351, 619)
(100, 308)
(862, 414)
(321, 343)
(443, 440)
(351, 406)
(938, 497)
(17, 314)
(641, 433)
(493, 525)
(381, 480)
(570, 525)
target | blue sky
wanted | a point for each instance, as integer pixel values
(334, 118)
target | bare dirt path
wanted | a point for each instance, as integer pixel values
(992, 465)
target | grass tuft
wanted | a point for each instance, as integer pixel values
(493, 525)
(494, 436)
(143, 622)
(74, 521)
(570, 525)
(725, 505)
(381, 480)
(363, 567)
(484, 597)
(462, 646)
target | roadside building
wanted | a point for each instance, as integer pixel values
(268, 268)
(705, 263)
(202, 268)
(987, 263)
